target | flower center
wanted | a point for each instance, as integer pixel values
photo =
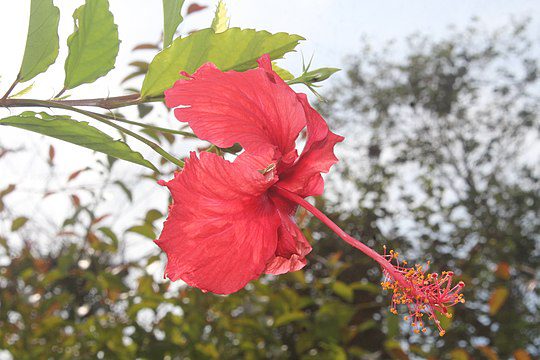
(423, 293)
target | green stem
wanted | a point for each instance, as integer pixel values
(150, 143)
(11, 88)
(104, 103)
(60, 93)
(148, 126)
(98, 117)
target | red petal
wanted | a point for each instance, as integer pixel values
(292, 246)
(304, 177)
(255, 108)
(222, 227)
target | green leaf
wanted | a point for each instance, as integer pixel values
(289, 318)
(144, 109)
(233, 49)
(367, 325)
(125, 189)
(152, 215)
(93, 46)
(221, 20)
(172, 17)
(284, 74)
(18, 223)
(368, 287)
(333, 351)
(446, 322)
(331, 319)
(459, 354)
(497, 299)
(76, 132)
(42, 40)
(9, 189)
(343, 290)
(23, 92)
(145, 230)
(392, 325)
(110, 234)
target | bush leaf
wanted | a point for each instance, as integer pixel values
(233, 49)
(145, 230)
(343, 290)
(42, 40)
(172, 17)
(93, 46)
(497, 299)
(76, 132)
(18, 223)
(290, 317)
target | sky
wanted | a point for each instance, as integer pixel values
(333, 30)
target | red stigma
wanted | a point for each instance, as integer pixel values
(424, 293)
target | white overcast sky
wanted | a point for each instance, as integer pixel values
(333, 29)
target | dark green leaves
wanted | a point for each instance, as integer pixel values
(172, 17)
(233, 49)
(76, 132)
(42, 39)
(93, 46)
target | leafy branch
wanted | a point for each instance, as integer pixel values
(96, 116)
(92, 50)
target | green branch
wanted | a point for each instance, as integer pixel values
(11, 88)
(96, 116)
(148, 126)
(104, 103)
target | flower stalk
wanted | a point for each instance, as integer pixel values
(423, 293)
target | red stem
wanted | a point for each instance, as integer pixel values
(385, 264)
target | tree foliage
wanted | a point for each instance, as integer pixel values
(446, 161)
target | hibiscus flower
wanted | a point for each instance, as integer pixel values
(232, 221)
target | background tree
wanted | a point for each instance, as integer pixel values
(447, 154)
